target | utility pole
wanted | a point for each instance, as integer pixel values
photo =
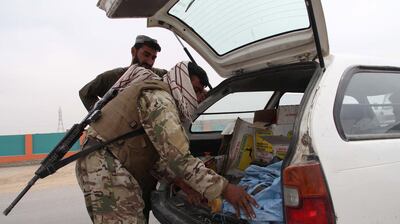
(60, 127)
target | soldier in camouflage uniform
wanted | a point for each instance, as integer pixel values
(144, 53)
(113, 179)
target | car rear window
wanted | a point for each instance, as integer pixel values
(226, 25)
(229, 108)
(368, 104)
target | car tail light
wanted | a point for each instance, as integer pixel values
(306, 196)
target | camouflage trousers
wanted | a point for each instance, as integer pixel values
(112, 195)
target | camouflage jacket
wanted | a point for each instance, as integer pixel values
(160, 119)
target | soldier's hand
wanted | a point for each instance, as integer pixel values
(240, 199)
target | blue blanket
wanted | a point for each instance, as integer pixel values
(264, 184)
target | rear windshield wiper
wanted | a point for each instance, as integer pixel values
(190, 4)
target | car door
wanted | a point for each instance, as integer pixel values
(354, 133)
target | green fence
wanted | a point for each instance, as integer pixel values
(12, 145)
(44, 143)
(21, 148)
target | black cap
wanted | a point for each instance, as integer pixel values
(143, 39)
(200, 73)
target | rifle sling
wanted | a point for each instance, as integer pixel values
(96, 147)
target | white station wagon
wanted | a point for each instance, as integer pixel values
(343, 155)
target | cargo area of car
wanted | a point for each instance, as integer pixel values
(260, 143)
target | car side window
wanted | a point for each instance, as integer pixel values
(229, 108)
(368, 104)
(290, 99)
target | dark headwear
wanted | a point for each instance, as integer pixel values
(148, 41)
(200, 73)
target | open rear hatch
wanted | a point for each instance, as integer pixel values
(235, 36)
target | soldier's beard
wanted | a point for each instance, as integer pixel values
(137, 61)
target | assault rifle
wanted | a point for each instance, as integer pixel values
(54, 161)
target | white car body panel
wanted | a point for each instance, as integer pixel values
(361, 175)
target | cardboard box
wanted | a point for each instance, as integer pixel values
(246, 149)
(280, 150)
(287, 114)
(267, 145)
(281, 130)
(240, 148)
(265, 116)
(253, 143)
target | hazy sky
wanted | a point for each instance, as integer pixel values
(50, 49)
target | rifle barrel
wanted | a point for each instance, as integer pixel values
(23, 192)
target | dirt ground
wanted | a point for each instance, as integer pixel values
(14, 179)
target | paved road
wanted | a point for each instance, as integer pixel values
(55, 205)
(56, 199)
